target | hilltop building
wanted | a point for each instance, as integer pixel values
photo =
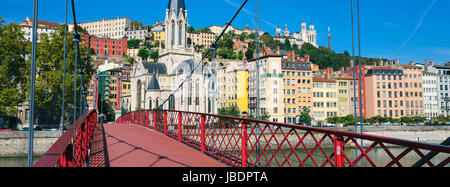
(304, 36)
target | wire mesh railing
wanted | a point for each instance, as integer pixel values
(242, 142)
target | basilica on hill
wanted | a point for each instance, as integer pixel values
(169, 82)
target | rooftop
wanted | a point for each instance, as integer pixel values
(317, 79)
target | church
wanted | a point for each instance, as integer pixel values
(178, 81)
(304, 36)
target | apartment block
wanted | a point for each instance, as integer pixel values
(43, 27)
(106, 47)
(232, 85)
(297, 89)
(270, 86)
(394, 92)
(108, 28)
(325, 99)
(139, 32)
(204, 39)
(343, 84)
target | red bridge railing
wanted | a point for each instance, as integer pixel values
(243, 142)
(72, 148)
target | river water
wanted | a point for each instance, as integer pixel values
(377, 156)
(19, 161)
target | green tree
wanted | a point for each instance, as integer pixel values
(191, 29)
(240, 55)
(136, 24)
(230, 110)
(134, 43)
(249, 54)
(12, 67)
(143, 53)
(49, 71)
(304, 117)
(265, 117)
(154, 55)
(130, 60)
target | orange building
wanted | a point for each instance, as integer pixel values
(394, 92)
(297, 89)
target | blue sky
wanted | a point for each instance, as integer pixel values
(409, 30)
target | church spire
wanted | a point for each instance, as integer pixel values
(177, 5)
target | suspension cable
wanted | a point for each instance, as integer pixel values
(206, 54)
(76, 39)
(61, 127)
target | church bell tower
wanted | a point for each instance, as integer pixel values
(176, 25)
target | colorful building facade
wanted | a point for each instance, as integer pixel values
(106, 47)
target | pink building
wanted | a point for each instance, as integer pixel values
(393, 92)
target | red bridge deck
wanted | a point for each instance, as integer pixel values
(135, 146)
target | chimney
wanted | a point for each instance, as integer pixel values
(267, 50)
(411, 62)
(291, 55)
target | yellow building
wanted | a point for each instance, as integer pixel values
(314, 67)
(232, 82)
(325, 100)
(204, 39)
(297, 89)
(159, 35)
(343, 95)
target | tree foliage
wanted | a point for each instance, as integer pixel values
(134, 43)
(136, 24)
(155, 56)
(49, 71)
(12, 67)
(304, 117)
(143, 53)
(230, 110)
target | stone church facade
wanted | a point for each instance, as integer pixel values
(178, 81)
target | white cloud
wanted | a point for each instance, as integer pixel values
(422, 18)
(232, 3)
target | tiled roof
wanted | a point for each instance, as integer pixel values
(317, 79)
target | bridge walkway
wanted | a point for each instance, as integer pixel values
(128, 145)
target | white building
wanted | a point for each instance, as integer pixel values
(442, 86)
(110, 28)
(304, 36)
(430, 94)
(217, 30)
(138, 32)
(270, 89)
(43, 27)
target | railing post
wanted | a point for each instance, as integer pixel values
(244, 144)
(202, 134)
(148, 120)
(165, 122)
(155, 120)
(179, 126)
(141, 118)
(339, 151)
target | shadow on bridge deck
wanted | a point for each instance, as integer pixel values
(134, 146)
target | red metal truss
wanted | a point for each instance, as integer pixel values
(243, 142)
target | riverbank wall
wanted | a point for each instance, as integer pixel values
(16, 143)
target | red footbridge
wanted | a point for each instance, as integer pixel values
(161, 138)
